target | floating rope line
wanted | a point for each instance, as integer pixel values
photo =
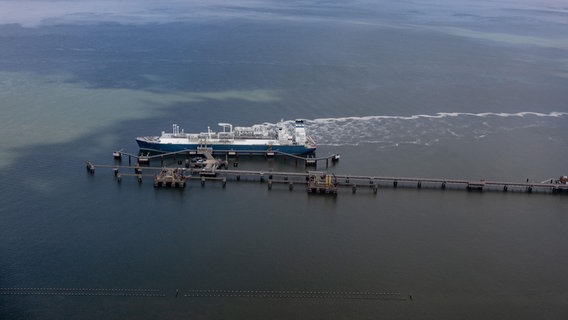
(203, 293)
(295, 294)
(118, 292)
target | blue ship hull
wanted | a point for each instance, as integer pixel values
(223, 148)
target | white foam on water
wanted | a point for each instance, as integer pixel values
(422, 129)
(441, 115)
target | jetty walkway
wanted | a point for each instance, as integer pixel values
(352, 182)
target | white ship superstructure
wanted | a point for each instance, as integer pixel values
(257, 138)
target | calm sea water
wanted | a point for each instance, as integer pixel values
(472, 91)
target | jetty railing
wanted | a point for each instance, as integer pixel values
(354, 182)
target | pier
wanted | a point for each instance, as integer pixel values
(327, 183)
(201, 165)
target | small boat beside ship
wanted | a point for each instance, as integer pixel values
(256, 139)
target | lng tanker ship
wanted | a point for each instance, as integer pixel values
(255, 139)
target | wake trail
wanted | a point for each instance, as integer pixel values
(424, 129)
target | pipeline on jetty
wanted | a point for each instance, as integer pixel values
(339, 181)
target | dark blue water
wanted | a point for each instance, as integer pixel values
(468, 91)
